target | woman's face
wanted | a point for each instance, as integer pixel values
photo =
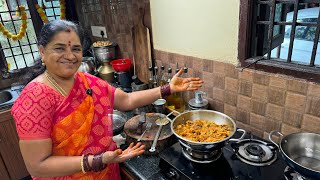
(63, 54)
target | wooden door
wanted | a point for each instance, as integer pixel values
(9, 147)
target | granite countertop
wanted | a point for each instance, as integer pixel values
(144, 167)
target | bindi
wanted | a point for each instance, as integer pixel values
(69, 43)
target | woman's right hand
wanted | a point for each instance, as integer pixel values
(119, 156)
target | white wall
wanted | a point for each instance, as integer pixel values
(206, 29)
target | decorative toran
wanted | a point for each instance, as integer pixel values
(43, 15)
(20, 12)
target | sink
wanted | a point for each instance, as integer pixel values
(8, 96)
(5, 96)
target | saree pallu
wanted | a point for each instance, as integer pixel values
(83, 126)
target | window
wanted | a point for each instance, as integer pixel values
(281, 36)
(23, 53)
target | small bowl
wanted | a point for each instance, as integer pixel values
(121, 65)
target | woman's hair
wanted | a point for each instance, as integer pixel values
(56, 26)
(48, 31)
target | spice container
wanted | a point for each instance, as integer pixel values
(198, 102)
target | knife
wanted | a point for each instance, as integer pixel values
(142, 120)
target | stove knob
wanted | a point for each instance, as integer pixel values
(173, 174)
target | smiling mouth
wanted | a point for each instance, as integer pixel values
(70, 63)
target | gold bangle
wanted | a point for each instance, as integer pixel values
(81, 163)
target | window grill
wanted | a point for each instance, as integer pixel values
(282, 26)
(23, 53)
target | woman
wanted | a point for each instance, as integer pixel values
(61, 115)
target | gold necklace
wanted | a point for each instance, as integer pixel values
(55, 84)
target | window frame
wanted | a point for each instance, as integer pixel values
(37, 24)
(244, 49)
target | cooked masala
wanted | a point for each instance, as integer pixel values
(203, 131)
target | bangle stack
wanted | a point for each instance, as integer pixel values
(165, 91)
(97, 164)
(86, 165)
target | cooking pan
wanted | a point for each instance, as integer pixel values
(211, 116)
(118, 121)
(301, 151)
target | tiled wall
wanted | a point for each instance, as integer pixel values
(259, 102)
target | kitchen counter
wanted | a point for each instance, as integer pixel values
(144, 167)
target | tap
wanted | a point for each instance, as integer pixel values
(5, 73)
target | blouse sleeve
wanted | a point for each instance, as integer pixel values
(33, 112)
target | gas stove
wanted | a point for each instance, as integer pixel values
(230, 165)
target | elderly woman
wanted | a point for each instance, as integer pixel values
(61, 115)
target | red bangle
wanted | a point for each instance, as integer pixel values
(165, 90)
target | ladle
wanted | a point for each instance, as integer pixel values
(160, 122)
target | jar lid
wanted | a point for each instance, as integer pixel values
(193, 103)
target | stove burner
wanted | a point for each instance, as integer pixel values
(200, 157)
(255, 152)
(291, 174)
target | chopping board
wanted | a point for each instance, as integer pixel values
(165, 138)
(141, 48)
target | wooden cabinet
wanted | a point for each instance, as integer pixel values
(11, 161)
(125, 174)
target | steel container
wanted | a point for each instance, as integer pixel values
(104, 53)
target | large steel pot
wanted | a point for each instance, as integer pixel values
(105, 53)
(301, 151)
(212, 116)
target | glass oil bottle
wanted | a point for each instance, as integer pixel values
(160, 83)
(155, 77)
(178, 97)
(166, 78)
(151, 78)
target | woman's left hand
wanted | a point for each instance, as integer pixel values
(178, 84)
(119, 156)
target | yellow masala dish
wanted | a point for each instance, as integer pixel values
(202, 131)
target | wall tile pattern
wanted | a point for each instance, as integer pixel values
(258, 101)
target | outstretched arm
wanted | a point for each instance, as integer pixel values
(128, 101)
